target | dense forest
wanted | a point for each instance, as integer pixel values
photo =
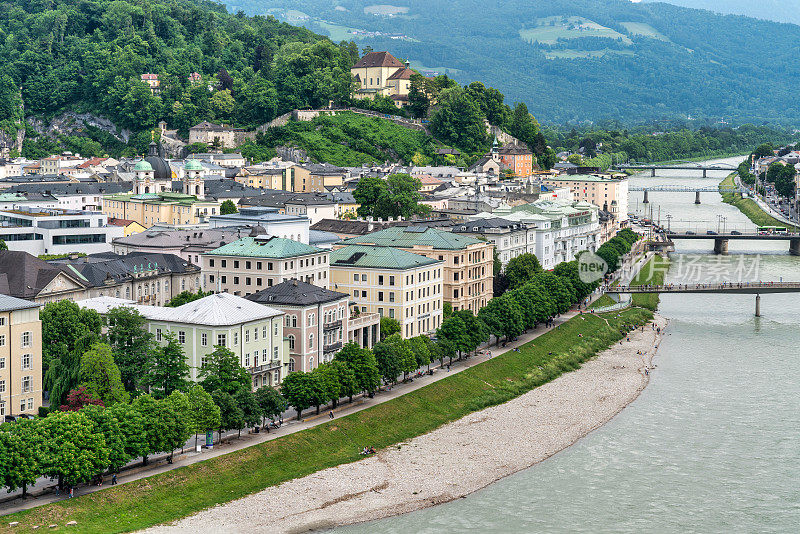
(615, 59)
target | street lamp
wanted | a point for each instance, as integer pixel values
(668, 216)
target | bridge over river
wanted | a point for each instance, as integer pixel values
(736, 288)
(721, 239)
(683, 189)
(679, 167)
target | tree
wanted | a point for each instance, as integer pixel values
(521, 269)
(101, 376)
(132, 429)
(328, 384)
(20, 453)
(107, 424)
(205, 413)
(176, 411)
(559, 289)
(3, 245)
(474, 329)
(394, 357)
(228, 207)
(78, 398)
(251, 411)
(72, 449)
(222, 371)
(67, 332)
(271, 403)
(297, 388)
(458, 121)
(764, 150)
(131, 344)
(231, 416)
(418, 102)
(185, 297)
(453, 336)
(154, 424)
(346, 379)
(419, 348)
(503, 317)
(168, 370)
(397, 196)
(364, 365)
(389, 327)
(569, 270)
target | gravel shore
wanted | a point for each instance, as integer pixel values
(450, 462)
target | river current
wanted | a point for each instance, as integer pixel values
(712, 445)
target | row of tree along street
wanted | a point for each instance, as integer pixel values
(121, 396)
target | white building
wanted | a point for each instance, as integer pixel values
(253, 332)
(293, 227)
(40, 231)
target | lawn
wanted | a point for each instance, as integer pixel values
(549, 30)
(750, 207)
(645, 30)
(181, 492)
(652, 273)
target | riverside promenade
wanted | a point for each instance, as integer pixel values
(44, 493)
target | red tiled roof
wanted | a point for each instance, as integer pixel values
(119, 222)
(378, 59)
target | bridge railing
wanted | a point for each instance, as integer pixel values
(679, 288)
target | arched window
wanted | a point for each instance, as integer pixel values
(146, 189)
(197, 282)
(291, 365)
(294, 321)
(310, 341)
(310, 363)
(127, 292)
(197, 190)
(291, 342)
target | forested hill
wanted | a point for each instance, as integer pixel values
(580, 59)
(90, 55)
(777, 10)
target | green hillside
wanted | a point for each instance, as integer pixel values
(578, 60)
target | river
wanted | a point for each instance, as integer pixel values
(711, 445)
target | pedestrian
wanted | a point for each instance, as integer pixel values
(114, 479)
(71, 492)
(331, 414)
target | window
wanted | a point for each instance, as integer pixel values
(204, 340)
(391, 313)
(264, 356)
(2, 341)
(27, 384)
(2, 363)
(235, 264)
(294, 321)
(247, 336)
(236, 280)
(2, 386)
(26, 361)
(291, 365)
(255, 334)
(310, 341)
(391, 280)
(363, 277)
(258, 265)
(391, 296)
(265, 331)
(224, 263)
(291, 342)
(380, 279)
(247, 265)
(221, 340)
(274, 353)
(355, 278)
(2, 321)
(236, 338)
(158, 334)
(380, 296)
(30, 403)
(26, 339)
(247, 360)
(275, 328)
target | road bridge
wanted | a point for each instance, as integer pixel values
(735, 288)
(721, 239)
(683, 189)
(678, 167)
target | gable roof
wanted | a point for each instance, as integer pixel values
(402, 74)
(265, 247)
(9, 303)
(25, 275)
(408, 237)
(378, 59)
(296, 293)
(365, 257)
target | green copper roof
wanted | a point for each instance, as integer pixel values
(193, 165)
(409, 236)
(143, 166)
(365, 257)
(272, 247)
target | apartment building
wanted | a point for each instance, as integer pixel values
(467, 274)
(251, 264)
(392, 283)
(251, 331)
(317, 322)
(20, 357)
(609, 193)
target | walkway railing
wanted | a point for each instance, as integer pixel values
(720, 287)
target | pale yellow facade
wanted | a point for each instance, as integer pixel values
(305, 181)
(20, 362)
(411, 296)
(150, 212)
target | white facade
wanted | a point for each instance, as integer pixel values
(293, 227)
(314, 212)
(40, 231)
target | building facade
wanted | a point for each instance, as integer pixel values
(251, 264)
(251, 331)
(609, 193)
(20, 357)
(393, 283)
(467, 274)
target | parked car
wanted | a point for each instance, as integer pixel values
(736, 232)
(689, 232)
(711, 232)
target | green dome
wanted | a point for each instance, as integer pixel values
(193, 165)
(143, 166)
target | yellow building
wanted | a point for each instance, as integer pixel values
(315, 177)
(392, 283)
(380, 73)
(467, 262)
(130, 227)
(20, 357)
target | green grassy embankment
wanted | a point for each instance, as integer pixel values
(652, 273)
(181, 492)
(750, 207)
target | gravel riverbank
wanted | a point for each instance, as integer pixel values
(452, 461)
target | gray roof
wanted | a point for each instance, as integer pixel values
(295, 293)
(9, 303)
(97, 269)
(24, 275)
(72, 189)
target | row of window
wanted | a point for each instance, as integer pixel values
(307, 262)
(26, 339)
(248, 281)
(27, 384)
(24, 405)
(264, 356)
(222, 339)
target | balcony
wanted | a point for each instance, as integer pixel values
(333, 347)
(273, 365)
(332, 326)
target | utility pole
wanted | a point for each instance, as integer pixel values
(668, 217)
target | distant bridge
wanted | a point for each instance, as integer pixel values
(682, 167)
(736, 288)
(721, 240)
(685, 189)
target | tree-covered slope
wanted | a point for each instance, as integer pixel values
(777, 10)
(581, 59)
(89, 56)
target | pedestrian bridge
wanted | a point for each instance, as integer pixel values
(684, 189)
(721, 239)
(683, 167)
(735, 288)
